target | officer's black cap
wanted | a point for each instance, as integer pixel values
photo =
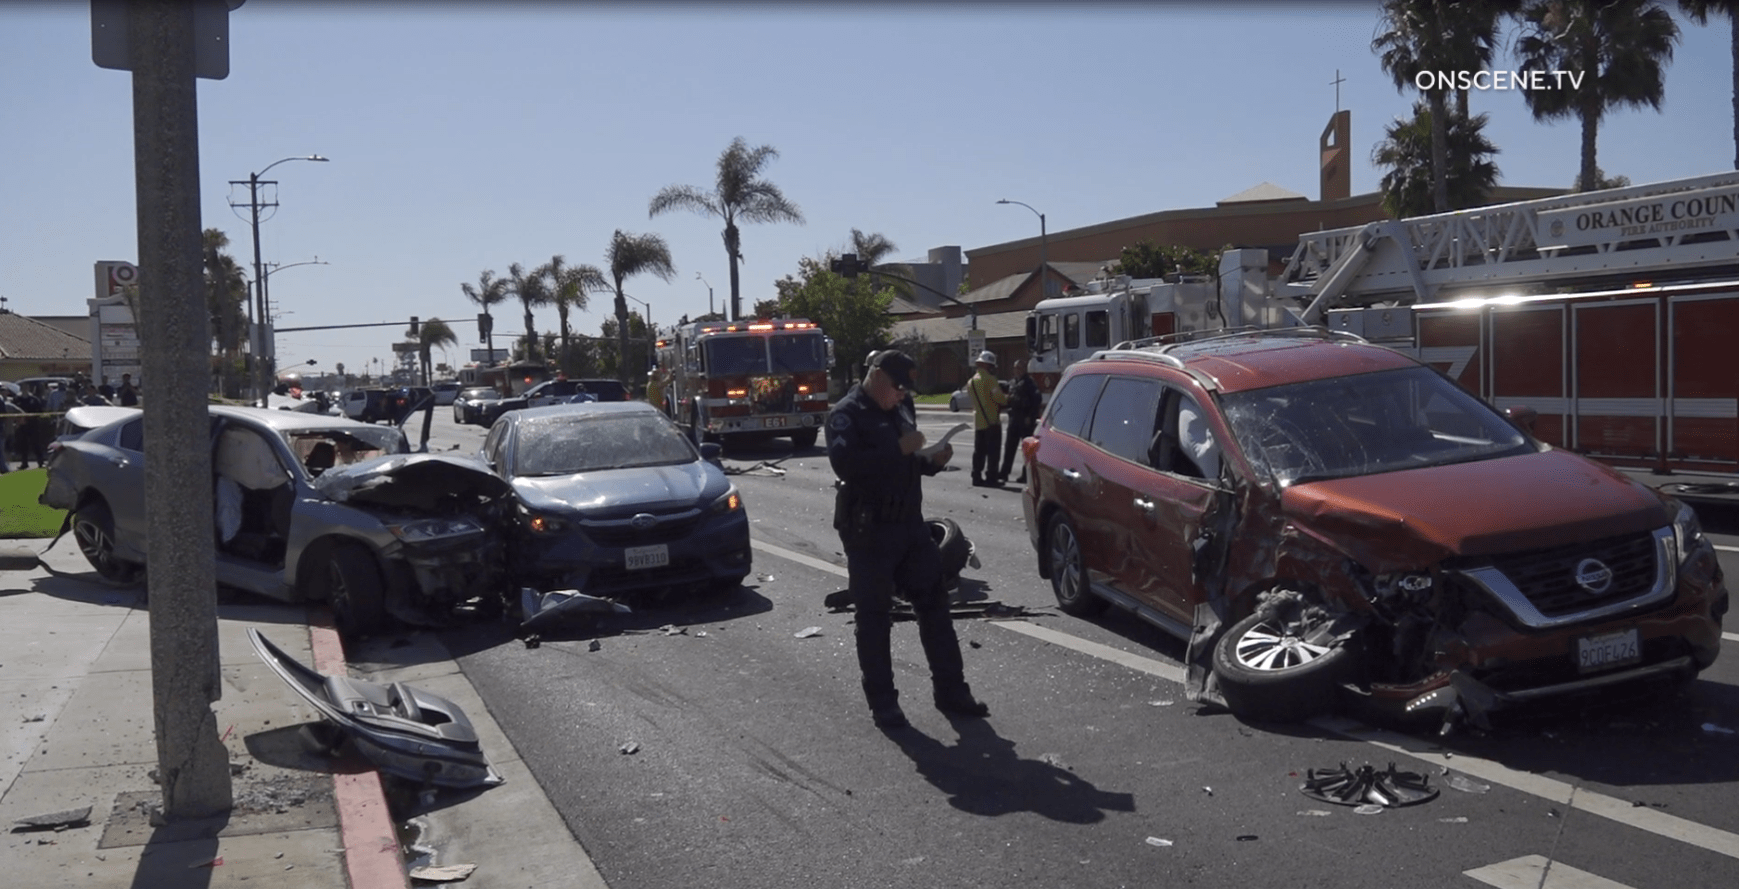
(896, 364)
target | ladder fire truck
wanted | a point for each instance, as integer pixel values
(739, 378)
(1610, 316)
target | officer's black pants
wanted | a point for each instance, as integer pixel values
(1018, 428)
(900, 556)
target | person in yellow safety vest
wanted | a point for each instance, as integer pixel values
(655, 387)
(987, 403)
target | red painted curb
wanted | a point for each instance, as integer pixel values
(371, 849)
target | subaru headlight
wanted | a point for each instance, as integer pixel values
(730, 502)
(432, 530)
(542, 522)
(1687, 531)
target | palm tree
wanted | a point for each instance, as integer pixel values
(489, 291)
(740, 194)
(431, 333)
(629, 255)
(1426, 36)
(568, 288)
(533, 290)
(1699, 12)
(226, 292)
(1406, 152)
(872, 248)
(1619, 47)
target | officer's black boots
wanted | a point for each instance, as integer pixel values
(959, 701)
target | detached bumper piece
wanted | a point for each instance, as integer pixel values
(1367, 786)
(406, 732)
(543, 611)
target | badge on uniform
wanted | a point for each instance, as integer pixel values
(839, 422)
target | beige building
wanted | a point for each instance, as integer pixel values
(33, 348)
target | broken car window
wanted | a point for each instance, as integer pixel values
(568, 444)
(1365, 424)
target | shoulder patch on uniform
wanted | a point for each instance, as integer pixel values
(840, 421)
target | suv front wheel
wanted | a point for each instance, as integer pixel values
(1269, 668)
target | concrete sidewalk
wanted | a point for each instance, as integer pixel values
(78, 730)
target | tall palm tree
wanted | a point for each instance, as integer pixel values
(226, 292)
(872, 248)
(1424, 36)
(629, 255)
(1620, 47)
(490, 291)
(739, 194)
(430, 333)
(1406, 152)
(532, 289)
(1699, 12)
(568, 288)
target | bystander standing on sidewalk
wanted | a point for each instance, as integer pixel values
(127, 395)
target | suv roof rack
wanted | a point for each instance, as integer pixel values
(1164, 343)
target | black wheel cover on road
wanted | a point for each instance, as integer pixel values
(1069, 570)
(1267, 672)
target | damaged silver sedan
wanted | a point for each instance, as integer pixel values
(308, 508)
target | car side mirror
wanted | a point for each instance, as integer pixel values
(1522, 416)
(711, 451)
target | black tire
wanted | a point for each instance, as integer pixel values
(804, 439)
(956, 550)
(93, 526)
(1266, 671)
(351, 584)
(1069, 570)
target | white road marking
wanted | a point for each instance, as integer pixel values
(1539, 872)
(1622, 811)
(1730, 637)
(1103, 652)
(1731, 549)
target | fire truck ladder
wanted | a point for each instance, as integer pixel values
(1426, 258)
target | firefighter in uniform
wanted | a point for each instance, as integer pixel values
(873, 444)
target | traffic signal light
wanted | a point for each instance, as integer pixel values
(848, 266)
(414, 326)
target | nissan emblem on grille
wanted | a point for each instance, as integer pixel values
(646, 520)
(1593, 575)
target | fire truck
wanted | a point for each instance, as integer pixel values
(738, 378)
(1605, 317)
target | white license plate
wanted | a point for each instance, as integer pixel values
(655, 556)
(775, 422)
(1607, 650)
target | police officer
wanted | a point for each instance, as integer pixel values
(873, 445)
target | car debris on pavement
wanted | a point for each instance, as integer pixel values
(1365, 786)
(405, 731)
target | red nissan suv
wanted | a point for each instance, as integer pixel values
(1326, 520)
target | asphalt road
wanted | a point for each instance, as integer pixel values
(755, 762)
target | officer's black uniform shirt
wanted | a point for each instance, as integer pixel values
(863, 447)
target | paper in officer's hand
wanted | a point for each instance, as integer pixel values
(929, 452)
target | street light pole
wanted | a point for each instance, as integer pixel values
(260, 320)
(709, 293)
(1044, 266)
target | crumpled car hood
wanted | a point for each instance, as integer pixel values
(1412, 518)
(415, 481)
(627, 491)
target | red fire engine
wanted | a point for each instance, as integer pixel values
(733, 378)
(1607, 315)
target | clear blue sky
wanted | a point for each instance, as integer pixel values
(468, 136)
